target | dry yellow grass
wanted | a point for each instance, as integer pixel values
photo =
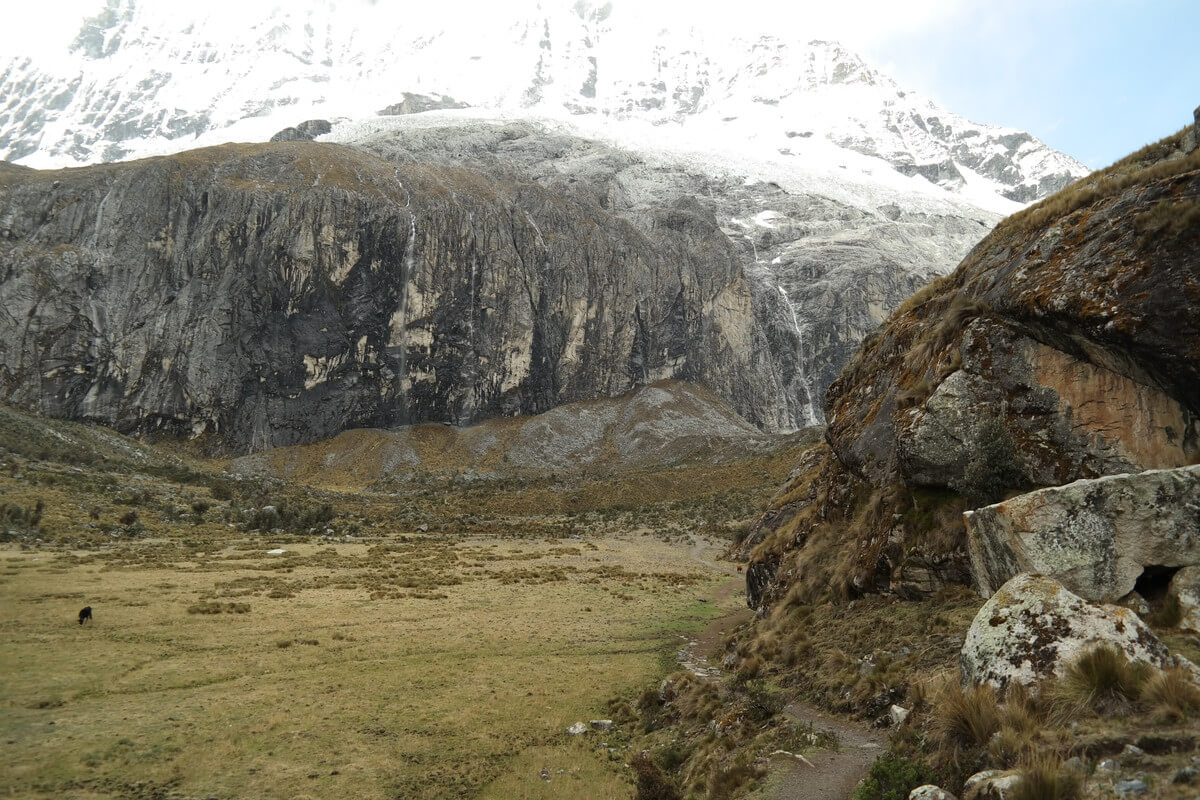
(323, 691)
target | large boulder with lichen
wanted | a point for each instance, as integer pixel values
(1068, 342)
(1033, 627)
(1097, 537)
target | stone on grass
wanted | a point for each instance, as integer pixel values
(992, 784)
(1096, 536)
(1130, 788)
(601, 724)
(898, 715)
(930, 792)
(1032, 628)
(578, 729)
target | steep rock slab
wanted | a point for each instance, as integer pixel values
(1066, 417)
(1033, 627)
(1096, 537)
(1080, 319)
(279, 294)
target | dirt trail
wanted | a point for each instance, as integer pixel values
(829, 774)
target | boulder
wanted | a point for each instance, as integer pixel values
(1033, 627)
(578, 729)
(1095, 536)
(1185, 588)
(304, 132)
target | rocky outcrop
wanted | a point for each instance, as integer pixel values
(279, 294)
(418, 103)
(304, 132)
(825, 267)
(653, 426)
(1032, 628)
(1096, 537)
(1066, 346)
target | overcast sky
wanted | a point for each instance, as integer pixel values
(1093, 78)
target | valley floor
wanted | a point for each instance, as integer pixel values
(252, 637)
(414, 666)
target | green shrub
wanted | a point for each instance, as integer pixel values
(892, 777)
(763, 702)
(652, 782)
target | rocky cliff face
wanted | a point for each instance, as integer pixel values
(1066, 346)
(825, 262)
(278, 294)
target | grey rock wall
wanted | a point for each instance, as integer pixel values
(278, 294)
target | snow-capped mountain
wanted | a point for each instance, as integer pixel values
(808, 192)
(143, 78)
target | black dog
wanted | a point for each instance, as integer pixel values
(85, 613)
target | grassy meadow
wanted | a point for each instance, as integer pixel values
(402, 645)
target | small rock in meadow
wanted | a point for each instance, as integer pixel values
(992, 784)
(1107, 765)
(601, 724)
(1130, 788)
(1132, 753)
(898, 714)
(578, 729)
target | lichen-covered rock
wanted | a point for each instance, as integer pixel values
(1094, 536)
(1185, 588)
(1032, 628)
(930, 792)
(992, 784)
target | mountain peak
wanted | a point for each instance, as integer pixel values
(140, 80)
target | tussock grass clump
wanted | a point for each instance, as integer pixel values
(213, 607)
(1102, 680)
(1173, 694)
(1044, 778)
(966, 718)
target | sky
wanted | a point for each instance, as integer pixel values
(1095, 79)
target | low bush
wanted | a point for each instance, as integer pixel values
(652, 782)
(892, 777)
